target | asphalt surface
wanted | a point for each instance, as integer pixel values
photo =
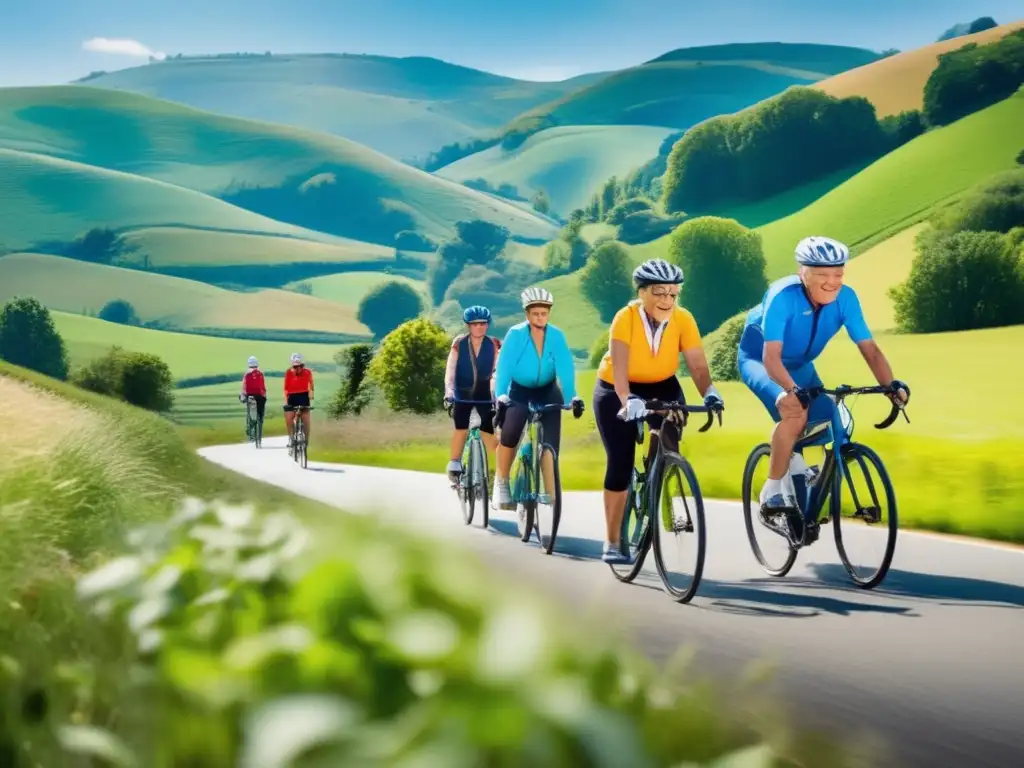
(931, 662)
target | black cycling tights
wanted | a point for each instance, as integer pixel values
(618, 436)
(517, 413)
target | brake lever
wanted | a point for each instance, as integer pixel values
(894, 414)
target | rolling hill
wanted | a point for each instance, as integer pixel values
(896, 83)
(308, 179)
(403, 107)
(568, 162)
(80, 287)
(689, 85)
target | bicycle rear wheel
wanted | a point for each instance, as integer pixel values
(465, 488)
(479, 480)
(635, 535)
(861, 522)
(521, 485)
(259, 433)
(776, 556)
(547, 511)
(677, 520)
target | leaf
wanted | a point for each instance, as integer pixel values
(424, 635)
(236, 517)
(115, 575)
(97, 743)
(248, 652)
(162, 581)
(282, 730)
(147, 612)
(260, 568)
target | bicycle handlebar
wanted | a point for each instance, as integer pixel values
(711, 411)
(845, 390)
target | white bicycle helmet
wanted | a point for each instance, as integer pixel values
(821, 252)
(296, 358)
(536, 295)
(654, 271)
(253, 362)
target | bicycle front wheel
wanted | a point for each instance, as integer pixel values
(864, 519)
(680, 538)
(466, 488)
(634, 536)
(547, 511)
(521, 485)
(478, 478)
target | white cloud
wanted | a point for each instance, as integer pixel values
(121, 47)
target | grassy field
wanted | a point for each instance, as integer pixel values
(210, 152)
(403, 107)
(689, 85)
(348, 288)
(878, 268)
(567, 162)
(188, 355)
(896, 83)
(81, 287)
(898, 190)
(180, 247)
(215, 405)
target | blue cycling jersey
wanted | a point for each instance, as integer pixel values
(519, 362)
(787, 315)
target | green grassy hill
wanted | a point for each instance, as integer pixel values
(349, 288)
(307, 179)
(684, 87)
(78, 286)
(568, 162)
(188, 355)
(403, 107)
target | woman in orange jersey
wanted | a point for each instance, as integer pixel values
(644, 342)
(298, 390)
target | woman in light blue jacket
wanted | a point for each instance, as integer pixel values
(535, 366)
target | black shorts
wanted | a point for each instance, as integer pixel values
(618, 436)
(261, 405)
(518, 412)
(298, 398)
(461, 413)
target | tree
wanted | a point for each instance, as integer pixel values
(598, 350)
(606, 279)
(119, 311)
(409, 366)
(29, 338)
(959, 282)
(408, 240)
(723, 265)
(354, 394)
(388, 306)
(722, 346)
(995, 206)
(540, 202)
(146, 382)
(485, 241)
(100, 245)
(102, 375)
(621, 210)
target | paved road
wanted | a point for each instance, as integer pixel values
(932, 661)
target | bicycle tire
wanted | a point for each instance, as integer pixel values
(670, 462)
(556, 502)
(861, 453)
(305, 454)
(483, 492)
(259, 433)
(764, 449)
(466, 490)
(627, 573)
(529, 506)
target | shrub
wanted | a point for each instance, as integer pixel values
(388, 306)
(606, 280)
(644, 226)
(724, 268)
(119, 311)
(598, 350)
(618, 214)
(961, 282)
(541, 202)
(995, 206)
(904, 127)
(138, 378)
(1020, 157)
(721, 347)
(408, 240)
(103, 374)
(29, 338)
(409, 366)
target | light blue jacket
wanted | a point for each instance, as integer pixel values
(519, 363)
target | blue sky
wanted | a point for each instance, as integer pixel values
(41, 41)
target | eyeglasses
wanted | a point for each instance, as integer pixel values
(662, 293)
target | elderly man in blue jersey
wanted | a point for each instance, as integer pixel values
(784, 334)
(535, 366)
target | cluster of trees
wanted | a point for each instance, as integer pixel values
(568, 252)
(29, 338)
(626, 205)
(388, 306)
(974, 77)
(969, 269)
(784, 142)
(450, 153)
(968, 28)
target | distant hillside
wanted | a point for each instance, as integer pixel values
(896, 83)
(311, 180)
(684, 87)
(568, 162)
(403, 107)
(968, 28)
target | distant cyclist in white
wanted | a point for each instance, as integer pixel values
(784, 334)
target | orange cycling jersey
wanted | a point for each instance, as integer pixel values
(297, 383)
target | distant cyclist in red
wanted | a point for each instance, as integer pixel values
(254, 386)
(298, 391)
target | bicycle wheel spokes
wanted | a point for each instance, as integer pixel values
(635, 536)
(548, 509)
(863, 509)
(521, 487)
(680, 537)
(766, 533)
(480, 478)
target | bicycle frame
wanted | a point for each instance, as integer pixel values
(474, 429)
(533, 435)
